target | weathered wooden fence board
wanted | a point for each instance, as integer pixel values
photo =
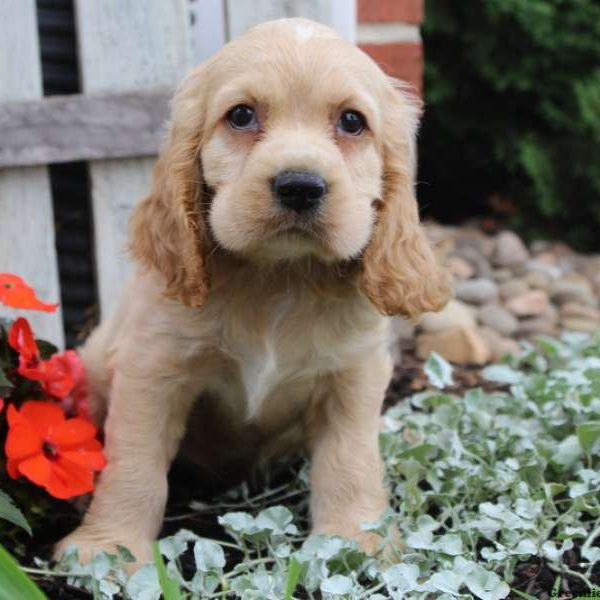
(26, 219)
(339, 14)
(79, 127)
(117, 185)
(208, 28)
(126, 45)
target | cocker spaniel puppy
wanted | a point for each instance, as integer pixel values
(280, 235)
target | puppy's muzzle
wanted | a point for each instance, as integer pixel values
(299, 191)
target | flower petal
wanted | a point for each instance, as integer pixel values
(34, 370)
(43, 415)
(75, 365)
(74, 402)
(37, 469)
(92, 446)
(72, 433)
(20, 338)
(58, 381)
(12, 468)
(95, 461)
(22, 441)
(14, 292)
(13, 416)
(69, 479)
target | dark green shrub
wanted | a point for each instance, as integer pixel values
(512, 95)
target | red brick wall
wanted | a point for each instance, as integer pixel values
(381, 11)
(388, 30)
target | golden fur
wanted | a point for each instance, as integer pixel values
(269, 324)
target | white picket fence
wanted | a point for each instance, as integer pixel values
(131, 53)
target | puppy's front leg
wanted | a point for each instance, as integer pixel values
(347, 472)
(149, 403)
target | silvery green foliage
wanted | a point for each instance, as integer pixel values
(479, 483)
(438, 371)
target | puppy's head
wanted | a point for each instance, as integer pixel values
(291, 142)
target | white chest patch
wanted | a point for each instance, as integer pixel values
(261, 373)
(278, 355)
(294, 347)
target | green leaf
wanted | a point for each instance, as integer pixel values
(422, 453)
(14, 583)
(502, 374)
(169, 587)
(338, 585)
(145, 583)
(125, 554)
(427, 523)
(420, 540)
(238, 522)
(449, 543)
(5, 385)
(402, 577)
(486, 585)
(46, 349)
(294, 571)
(567, 452)
(438, 371)
(277, 519)
(11, 513)
(587, 434)
(174, 546)
(550, 550)
(592, 555)
(447, 581)
(208, 555)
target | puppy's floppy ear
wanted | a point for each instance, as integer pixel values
(400, 273)
(168, 231)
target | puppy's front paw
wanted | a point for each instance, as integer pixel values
(390, 550)
(369, 542)
(90, 542)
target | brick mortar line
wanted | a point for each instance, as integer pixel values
(387, 33)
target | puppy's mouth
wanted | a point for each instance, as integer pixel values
(292, 241)
(289, 224)
(302, 230)
(298, 231)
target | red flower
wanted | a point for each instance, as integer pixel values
(61, 455)
(57, 379)
(20, 338)
(55, 374)
(14, 292)
(74, 402)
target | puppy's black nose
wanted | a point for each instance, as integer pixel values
(299, 190)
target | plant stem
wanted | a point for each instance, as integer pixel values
(564, 570)
(591, 537)
(48, 573)
(370, 591)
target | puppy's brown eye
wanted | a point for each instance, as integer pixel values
(352, 122)
(242, 117)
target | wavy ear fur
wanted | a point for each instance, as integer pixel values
(400, 273)
(168, 232)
